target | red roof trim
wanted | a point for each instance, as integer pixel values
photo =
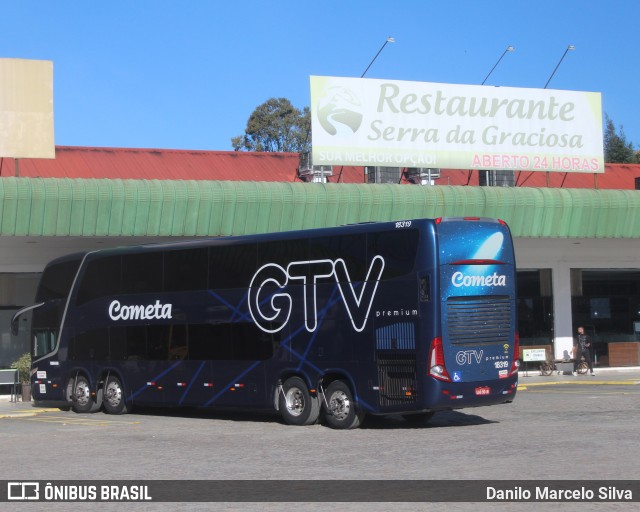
(181, 164)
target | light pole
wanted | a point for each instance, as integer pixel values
(508, 49)
(570, 47)
(493, 175)
(388, 40)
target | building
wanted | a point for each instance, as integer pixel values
(577, 236)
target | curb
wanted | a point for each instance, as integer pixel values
(630, 382)
(23, 413)
(20, 409)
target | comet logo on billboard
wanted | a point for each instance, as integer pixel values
(339, 109)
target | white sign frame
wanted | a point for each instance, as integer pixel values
(534, 354)
(392, 123)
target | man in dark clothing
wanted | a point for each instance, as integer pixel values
(582, 349)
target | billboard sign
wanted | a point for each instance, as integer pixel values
(372, 122)
(26, 108)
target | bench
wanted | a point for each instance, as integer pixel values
(10, 377)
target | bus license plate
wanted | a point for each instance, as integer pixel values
(485, 390)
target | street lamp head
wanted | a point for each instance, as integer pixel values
(507, 49)
(570, 47)
(390, 40)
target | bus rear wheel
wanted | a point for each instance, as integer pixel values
(340, 408)
(113, 396)
(296, 404)
(79, 394)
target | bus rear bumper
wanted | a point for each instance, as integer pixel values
(457, 395)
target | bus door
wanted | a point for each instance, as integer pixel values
(477, 285)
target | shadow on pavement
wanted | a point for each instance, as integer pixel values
(393, 422)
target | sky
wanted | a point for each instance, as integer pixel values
(188, 74)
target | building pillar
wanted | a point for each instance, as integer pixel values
(563, 325)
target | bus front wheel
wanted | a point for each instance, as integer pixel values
(79, 394)
(113, 396)
(296, 404)
(340, 408)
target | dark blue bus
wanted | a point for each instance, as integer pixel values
(406, 317)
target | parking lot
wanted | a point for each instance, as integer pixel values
(558, 428)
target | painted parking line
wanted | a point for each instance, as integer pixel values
(24, 412)
(81, 421)
(38, 414)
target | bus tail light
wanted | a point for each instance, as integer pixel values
(437, 368)
(515, 365)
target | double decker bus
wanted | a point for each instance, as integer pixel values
(393, 318)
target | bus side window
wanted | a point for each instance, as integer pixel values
(186, 269)
(398, 248)
(118, 343)
(101, 279)
(136, 342)
(90, 345)
(158, 337)
(142, 273)
(44, 342)
(425, 286)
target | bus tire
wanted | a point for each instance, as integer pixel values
(113, 396)
(79, 394)
(340, 408)
(296, 405)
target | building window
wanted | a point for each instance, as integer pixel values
(607, 303)
(16, 290)
(535, 307)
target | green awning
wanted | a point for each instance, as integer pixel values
(87, 207)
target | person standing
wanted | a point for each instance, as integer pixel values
(582, 349)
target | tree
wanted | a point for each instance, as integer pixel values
(616, 148)
(276, 125)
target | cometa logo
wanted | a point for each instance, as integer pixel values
(459, 280)
(155, 311)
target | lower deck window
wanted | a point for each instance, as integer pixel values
(225, 341)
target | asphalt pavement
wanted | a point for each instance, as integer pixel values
(528, 378)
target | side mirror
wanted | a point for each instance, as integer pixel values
(15, 320)
(14, 325)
